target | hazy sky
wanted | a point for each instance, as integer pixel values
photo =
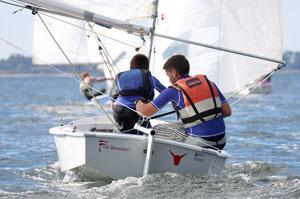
(17, 28)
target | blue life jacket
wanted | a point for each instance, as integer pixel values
(135, 82)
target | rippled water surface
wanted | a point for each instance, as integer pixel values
(263, 140)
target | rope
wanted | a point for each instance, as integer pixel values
(73, 67)
(106, 57)
(259, 82)
(75, 71)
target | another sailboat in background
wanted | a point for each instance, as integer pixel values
(202, 30)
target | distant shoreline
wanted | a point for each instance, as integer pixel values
(36, 75)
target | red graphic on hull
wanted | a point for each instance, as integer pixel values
(102, 143)
(177, 158)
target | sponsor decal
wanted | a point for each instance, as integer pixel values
(103, 144)
(199, 157)
(176, 158)
(193, 82)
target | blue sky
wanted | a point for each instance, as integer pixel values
(17, 28)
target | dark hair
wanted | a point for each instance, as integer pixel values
(139, 61)
(84, 75)
(179, 63)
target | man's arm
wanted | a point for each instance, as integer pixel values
(166, 96)
(226, 110)
(158, 85)
(145, 109)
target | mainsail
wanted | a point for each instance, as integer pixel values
(248, 26)
(243, 25)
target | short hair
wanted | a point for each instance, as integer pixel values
(139, 61)
(179, 63)
(84, 75)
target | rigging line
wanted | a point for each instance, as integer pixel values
(114, 100)
(107, 62)
(116, 40)
(51, 66)
(264, 79)
(251, 83)
(220, 48)
(106, 54)
(74, 69)
(25, 52)
(57, 44)
(42, 61)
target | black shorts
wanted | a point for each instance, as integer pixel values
(126, 119)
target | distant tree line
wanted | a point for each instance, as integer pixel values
(21, 64)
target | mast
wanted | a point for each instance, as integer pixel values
(152, 29)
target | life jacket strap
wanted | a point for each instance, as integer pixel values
(202, 115)
(212, 94)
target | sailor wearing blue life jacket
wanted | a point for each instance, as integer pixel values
(129, 86)
(198, 102)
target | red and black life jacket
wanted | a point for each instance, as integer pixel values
(201, 100)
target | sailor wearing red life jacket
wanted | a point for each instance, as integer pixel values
(199, 103)
(201, 100)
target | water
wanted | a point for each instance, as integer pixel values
(263, 139)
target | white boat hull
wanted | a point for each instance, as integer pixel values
(116, 155)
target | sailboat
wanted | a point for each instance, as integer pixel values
(233, 42)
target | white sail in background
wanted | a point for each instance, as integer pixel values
(248, 26)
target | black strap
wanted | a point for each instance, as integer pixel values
(212, 94)
(176, 110)
(191, 102)
(146, 82)
(201, 115)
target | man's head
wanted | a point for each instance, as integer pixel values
(176, 66)
(84, 75)
(139, 61)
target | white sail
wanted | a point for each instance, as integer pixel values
(248, 26)
(75, 42)
(72, 36)
(123, 46)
